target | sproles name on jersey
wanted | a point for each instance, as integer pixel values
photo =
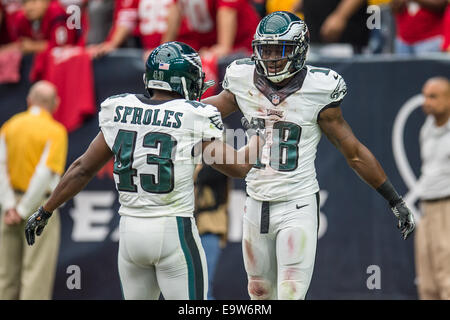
(153, 144)
(286, 169)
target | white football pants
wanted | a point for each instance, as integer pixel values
(279, 247)
(161, 254)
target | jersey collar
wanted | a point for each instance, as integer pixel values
(277, 95)
(36, 110)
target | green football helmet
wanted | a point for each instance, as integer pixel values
(175, 66)
(280, 46)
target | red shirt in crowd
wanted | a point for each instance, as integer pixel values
(11, 9)
(248, 20)
(416, 24)
(77, 104)
(4, 35)
(198, 26)
(52, 27)
(124, 14)
(446, 44)
(147, 19)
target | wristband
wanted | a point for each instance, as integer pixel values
(388, 192)
(46, 214)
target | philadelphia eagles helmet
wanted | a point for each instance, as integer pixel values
(280, 46)
(175, 66)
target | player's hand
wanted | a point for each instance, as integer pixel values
(256, 126)
(405, 218)
(36, 223)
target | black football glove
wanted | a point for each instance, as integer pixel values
(256, 126)
(405, 218)
(36, 222)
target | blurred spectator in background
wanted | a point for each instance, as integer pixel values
(293, 6)
(42, 25)
(11, 10)
(78, 9)
(10, 55)
(419, 25)
(259, 6)
(192, 22)
(218, 27)
(33, 149)
(432, 240)
(5, 36)
(236, 21)
(215, 28)
(446, 43)
(100, 20)
(336, 21)
(146, 19)
(211, 215)
(382, 27)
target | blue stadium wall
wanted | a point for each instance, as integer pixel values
(358, 231)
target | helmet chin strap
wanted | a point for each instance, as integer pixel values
(144, 78)
(186, 93)
(280, 77)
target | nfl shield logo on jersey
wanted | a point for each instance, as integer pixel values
(275, 99)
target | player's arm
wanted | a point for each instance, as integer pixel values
(229, 161)
(364, 163)
(358, 157)
(225, 102)
(80, 172)
(226, 159)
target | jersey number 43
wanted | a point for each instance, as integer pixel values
(124, 147)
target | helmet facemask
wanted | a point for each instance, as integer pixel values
(192, 88)
(278, 60)
(280, 46)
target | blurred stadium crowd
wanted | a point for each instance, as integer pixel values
(216, 28)
(67, 35)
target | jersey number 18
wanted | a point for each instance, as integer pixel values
(284, 148)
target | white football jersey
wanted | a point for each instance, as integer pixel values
(286, 170)
(153, 146)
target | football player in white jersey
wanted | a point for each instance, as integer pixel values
(155, 142)
(297, 102)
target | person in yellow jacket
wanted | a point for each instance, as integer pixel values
(33, 151)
